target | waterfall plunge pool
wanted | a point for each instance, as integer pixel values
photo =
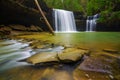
(86, 40)
(95, 40)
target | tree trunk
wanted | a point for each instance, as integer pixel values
(48, 24)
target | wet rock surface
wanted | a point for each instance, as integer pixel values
(111, 51)
(98, 65)
(61, 56)
(72, 54)
(101, 62)
(95, 64)
(45, 60)
(42, 57)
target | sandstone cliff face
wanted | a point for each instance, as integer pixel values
(23, 12)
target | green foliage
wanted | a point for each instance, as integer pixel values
(72, 5)
(106, 15)
(54, 3)
(108, 9)
(96, 6)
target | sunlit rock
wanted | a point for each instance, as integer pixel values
(72, 54)
(67, 55)
(42, 57)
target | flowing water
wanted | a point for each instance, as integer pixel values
(91, 23)
(64, 21)
(11, 51)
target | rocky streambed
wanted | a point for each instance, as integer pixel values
(39, 60)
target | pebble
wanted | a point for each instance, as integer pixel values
(111, 77)
(87, 75)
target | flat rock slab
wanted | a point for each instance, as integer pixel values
(110, 51)
(42, 57)
(94, 64)
(72, 54)
(100, 62)
(69, 54)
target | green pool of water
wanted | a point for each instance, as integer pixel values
(95, 40)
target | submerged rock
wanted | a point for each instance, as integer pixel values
(37, 44)
(110, 51)
(89, 75)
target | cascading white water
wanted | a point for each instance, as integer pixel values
(91, 23)
(64, 21)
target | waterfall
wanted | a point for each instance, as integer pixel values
(64, 21)
(91, 23)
